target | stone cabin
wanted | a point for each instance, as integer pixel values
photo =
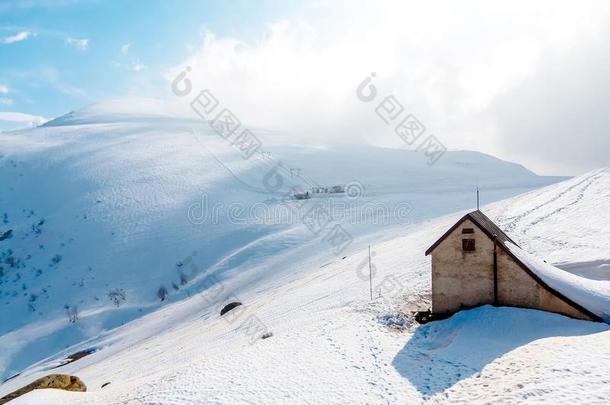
(472, 266)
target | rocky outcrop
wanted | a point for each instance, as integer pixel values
(57, 381)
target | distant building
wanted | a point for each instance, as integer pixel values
(472, 266)
(302, 196)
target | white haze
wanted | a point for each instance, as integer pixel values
(479, 75)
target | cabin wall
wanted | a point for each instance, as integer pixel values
(517, 288)
(461, 279)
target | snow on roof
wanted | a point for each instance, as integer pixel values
(594, 295)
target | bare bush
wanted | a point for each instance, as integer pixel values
(162, 293)
(72, 313)
(117, 296)
(183, 278)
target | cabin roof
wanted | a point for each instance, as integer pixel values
(483, 222)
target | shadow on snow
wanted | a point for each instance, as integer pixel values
(442, 353)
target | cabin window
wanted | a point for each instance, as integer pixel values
(468, 230)
(468, 245)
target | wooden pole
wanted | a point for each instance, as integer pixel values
(495, 272)
(370, 274)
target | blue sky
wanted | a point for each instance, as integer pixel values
(56, 56)
(524, 81)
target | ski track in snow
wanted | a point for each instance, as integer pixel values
(523, 227)
(511, 223)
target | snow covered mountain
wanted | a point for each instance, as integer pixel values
(330, 344)
(100, 211)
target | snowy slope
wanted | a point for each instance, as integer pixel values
(331, 345)
(115, 196)
(110, 199)
(563, 224)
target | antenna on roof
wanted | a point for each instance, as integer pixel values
(477, 198)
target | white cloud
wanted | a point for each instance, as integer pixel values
(3, 89)
(447, 63)
(27, 119)
(6, 101)
(558, 117)
(80, 44)
(137, 66)
(21, 36)
(125, 48)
